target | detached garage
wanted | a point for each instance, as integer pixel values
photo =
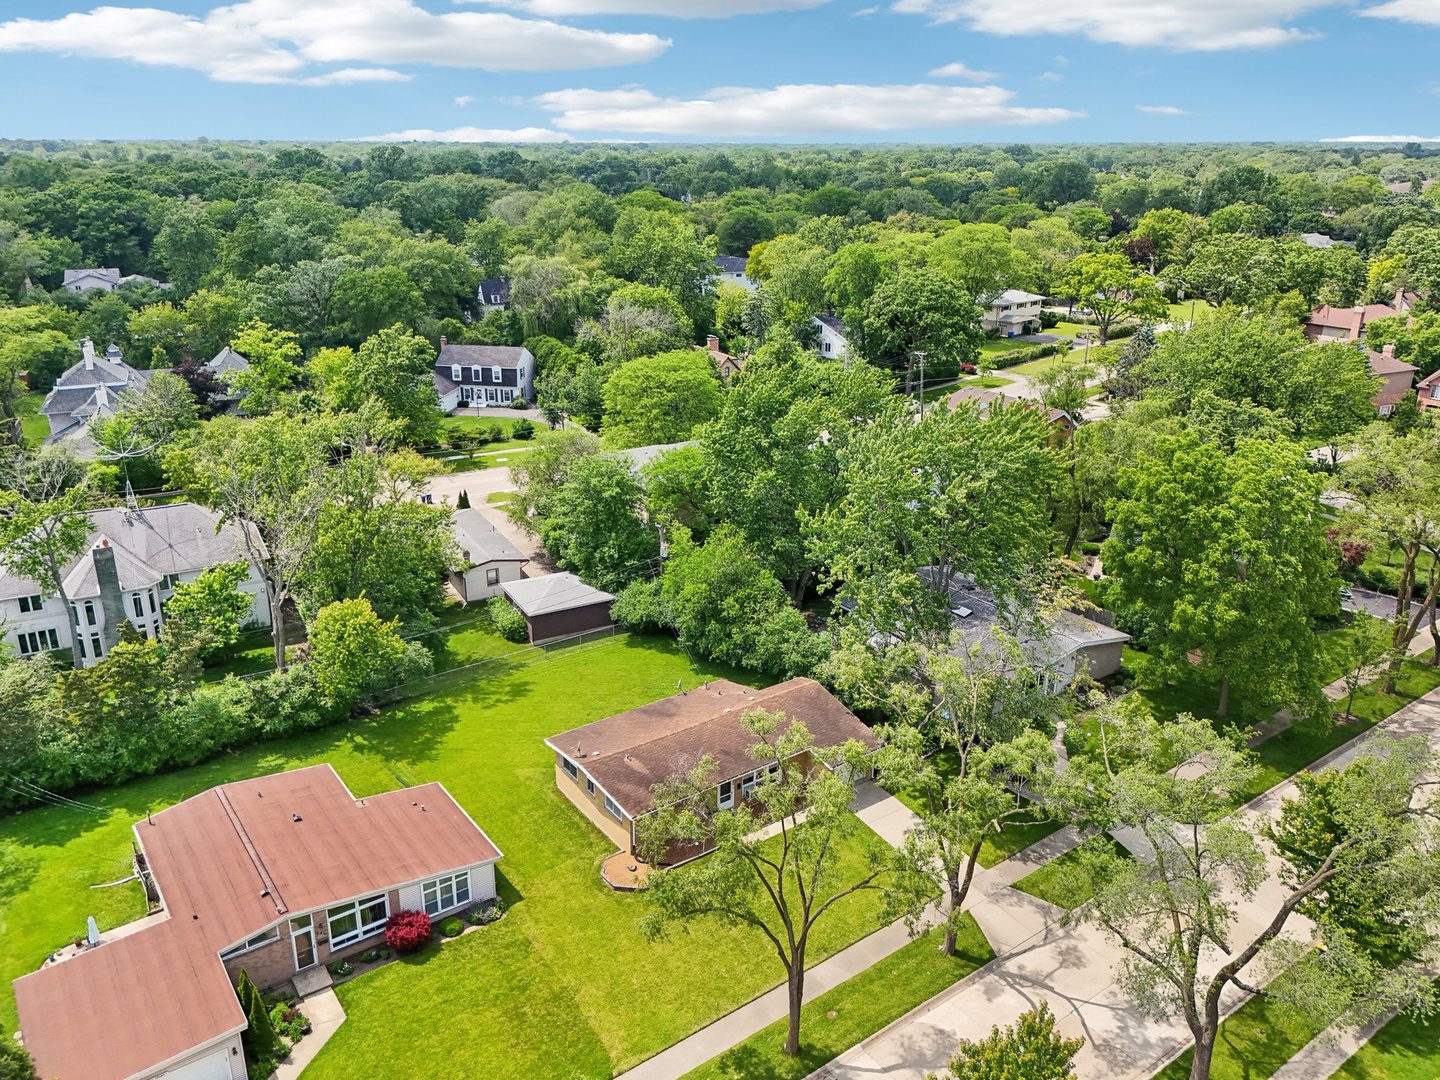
(558, 605)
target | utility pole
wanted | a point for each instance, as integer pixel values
(920, 353)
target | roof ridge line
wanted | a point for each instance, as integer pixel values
(270, 887)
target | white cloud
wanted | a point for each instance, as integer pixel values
(679, 9)
(276, 41)
(958, 70)
(465, 99)
(472, 134)
(346, 76)
(1424, 12)
(1050, 76)
(792, 110)
(1162, 110)
(866, 12)
(1384, 138)
(1192, 25)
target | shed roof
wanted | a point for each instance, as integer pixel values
(629, 753)
(553, 592)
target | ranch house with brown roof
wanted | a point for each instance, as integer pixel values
(608, 768)
(277, 875)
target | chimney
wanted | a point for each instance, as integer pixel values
(112, 602)
(87, 352)
(1388, 351)
(712, 342)
(443, 342)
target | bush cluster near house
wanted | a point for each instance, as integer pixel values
(406, 931)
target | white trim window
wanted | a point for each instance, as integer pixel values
(30, 604)
(750, 781)
(455, 375)
(35, 641)
(444, 893)
(259, 941)
(613, 809)
(495, 374)
(475, 375)
(571, 769)
(492, 575)
(357, 919)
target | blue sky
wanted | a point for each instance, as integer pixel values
(735, 70)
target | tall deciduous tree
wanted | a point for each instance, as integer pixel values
(660, 399)
(43, 499)
(593, 524)
(1226, 557)
(1113, 290)
(392, 367)
(1175, 912)
(780, 887)
(922, 311)
(210, 610)
(274, 370)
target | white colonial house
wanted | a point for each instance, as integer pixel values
(133, 559)
(832, 340)
(1012, 312)
(482, 375)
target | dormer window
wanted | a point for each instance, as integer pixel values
(495, 374)
(455, 373)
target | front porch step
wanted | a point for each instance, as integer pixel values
(312, 981)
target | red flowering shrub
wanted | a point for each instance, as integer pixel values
(967, 369)
(406, 931)
(1352, 552)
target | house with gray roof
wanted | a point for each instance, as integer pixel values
(487, 558)
(104, 278)
(1058, 645)
(132, 561)
(731, 268)
(481, 375)
(1011, 312)
(558, 605)
(89, 389)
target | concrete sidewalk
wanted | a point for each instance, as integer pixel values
(1073, 967)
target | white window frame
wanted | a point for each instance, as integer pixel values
(570, 768)
(750, 781)
(259, 941)
(90, 613)
(589, 785)
(827, 347)
(492, 575)
(455, 375)
(475, 375)
(138, 604)
(613, 808)
(445, 893)
(96, 648)
(31, 604)
(725, 795)
(362, 929)
(495, 374)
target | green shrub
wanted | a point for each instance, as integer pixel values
(523, 429)
(508, 621)
(369, 956)
(340, 968)
(287, 1021)
(519, 403)
(453, 926)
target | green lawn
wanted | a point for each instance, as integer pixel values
(1058, 883)
(34, 426)
(1180, 313)
(550, 990)
(1407, 1048)
(1045, 363)
(1335, 645)
(1254, 1041)
(856, 1009)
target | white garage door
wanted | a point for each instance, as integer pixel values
(213, 1066)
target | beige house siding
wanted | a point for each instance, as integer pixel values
(471, 583)
(1102, 661)
(592, 806)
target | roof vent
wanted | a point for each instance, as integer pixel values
(422, 807)
(294, 817)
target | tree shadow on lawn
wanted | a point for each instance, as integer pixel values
(703, 670)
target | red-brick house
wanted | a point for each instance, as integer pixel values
(276, 875)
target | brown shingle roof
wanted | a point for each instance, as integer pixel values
(629, 753)
(141, 1000)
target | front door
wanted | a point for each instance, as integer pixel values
(303, 936)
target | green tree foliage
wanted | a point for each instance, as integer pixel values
(661, 398)
(507, 620)
(262, 1045)
(1224, 559)
(274, 370)
(1113, 290)
(367, 300)
(15, 1063)
(638, 320)
(1031, 1049)
(209, 611)
(592, 523)
(147, 419)
(727, 605)
(354, 653)
(392, 368)
(157, 336)
(922, 311)
(781, 890)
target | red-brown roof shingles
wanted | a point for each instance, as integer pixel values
(139, 1001)
(629, 753)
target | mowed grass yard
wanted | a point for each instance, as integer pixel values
(33, 426)
(565, 985)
